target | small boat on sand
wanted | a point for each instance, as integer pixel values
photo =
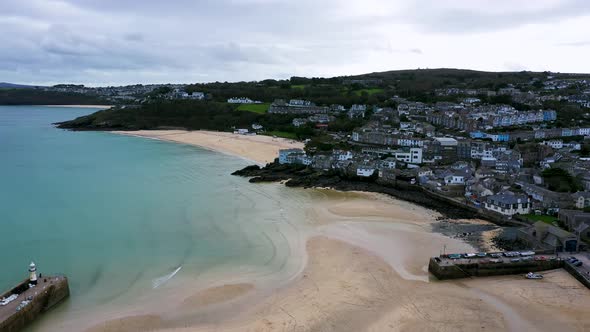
(532, 275)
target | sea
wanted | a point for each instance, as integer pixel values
(126, 218)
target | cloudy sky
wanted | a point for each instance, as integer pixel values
(105, 42)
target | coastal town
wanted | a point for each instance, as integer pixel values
(515, 152)
(499, 150)
(295, 166)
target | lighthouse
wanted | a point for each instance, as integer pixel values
(32, 274)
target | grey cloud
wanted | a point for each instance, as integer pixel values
(134, 37)
(146, 41)
(436, 17)
(576, 43)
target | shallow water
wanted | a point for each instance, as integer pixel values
(120, 214)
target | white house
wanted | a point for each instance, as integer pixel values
(425, 171)
(284, 154)
(389, 163)
(365, 171)
(508, 204)
(554, 143)
(455, 179)
(471, 100)
(343, 155)
(581, 199)
(241, 131)
(412, 155)
(412, 142)
(240, 100)
(197, 96)
(298, 122)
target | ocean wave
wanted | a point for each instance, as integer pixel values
(162, 280)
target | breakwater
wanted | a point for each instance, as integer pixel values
(576, 273)
(444, 267)
(31, 302)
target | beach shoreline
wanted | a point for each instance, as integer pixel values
(364, 269)
(259, 149)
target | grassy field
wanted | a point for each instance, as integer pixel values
(256, 108)
(546, 219)
(368, 91)
(282, 134)
(298, 86)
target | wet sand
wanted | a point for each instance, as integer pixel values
(259, 148)
(366, 271)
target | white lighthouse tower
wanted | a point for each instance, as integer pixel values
(33, 274)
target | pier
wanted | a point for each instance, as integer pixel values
(456, 266)
(29, 299)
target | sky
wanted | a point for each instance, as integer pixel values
(118, 42)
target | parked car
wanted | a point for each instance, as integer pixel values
(578, 263)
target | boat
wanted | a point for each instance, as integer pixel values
(532, 275)
(9, 299)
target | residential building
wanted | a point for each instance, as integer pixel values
(575, 221)
(508, 204)
(365, 170)
(240, 100)
(581, 199)
(285, 153)
(296, 106)
(455, 179)
(298, 122)
(554, 143)
(357, 111)
(544, 236)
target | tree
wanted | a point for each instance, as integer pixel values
(560, 180)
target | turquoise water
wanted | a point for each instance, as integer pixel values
(115, 213)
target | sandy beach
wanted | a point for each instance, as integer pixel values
(259, 149)
(366, 270)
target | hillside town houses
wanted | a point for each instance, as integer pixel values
(471, 145)
(489, 156)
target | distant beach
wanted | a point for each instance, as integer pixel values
(260, 149)
(81, 106)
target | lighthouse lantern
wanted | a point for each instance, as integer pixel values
(32, 274)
